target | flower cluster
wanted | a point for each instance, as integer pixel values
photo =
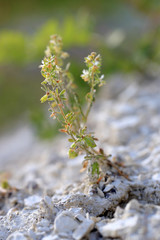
(55, 48)
(92, 74)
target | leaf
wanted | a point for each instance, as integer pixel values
(73, 145)
(62, 92)
(90, 142)
(63, 98)
(95, 168)
(44, 98)
(53, 104)
(70, 117)
(43, 74)
(44, 82)
(89, 97)
(72, 153)
(57, 91)
(63, 130)
(70, 140)
(51, 99)
(5, 185)
(83, 130)
(85, 164)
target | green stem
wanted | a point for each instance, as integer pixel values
(92, 94)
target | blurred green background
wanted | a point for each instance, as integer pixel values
(125, 32)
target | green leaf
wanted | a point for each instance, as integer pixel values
(5, 185)
(62, 92)
(44, 99)
(57, 91)
(90, 142)
(51, 99)
(73, 145)
(63, 98)
(89, 97)
(44, 82)
(43, 74)
(83, 130)
(70, 117)
(53, 104)
(95, 168)
(72, 153)
(70, 140)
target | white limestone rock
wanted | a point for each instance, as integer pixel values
(114, 229)
(17, 236)
(83, 229)
(65, 223)
(32, 201)
(95, 204)
(135, 222)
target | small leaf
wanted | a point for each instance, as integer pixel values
(44, 99)
(73, 145)
(5, 185)
(70, 117)
(95, 168)
(89, 97)
(62, 92)
(44, 82)
(72, 153)
(53, 104)
(51, 99)
(85, 164)
(83, 130)
(70, 140)
(57, 91)
(90, 142)
(43, 74)
(63, 98)
(63, 130)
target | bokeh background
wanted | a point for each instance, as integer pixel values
(125, 32)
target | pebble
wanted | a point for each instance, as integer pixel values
(83, 229)
(48, 202)
(100, 193)
(16, 236)
(156, 177)
(32, 201)
(64, 222)
(50, 237)
(113, 229)
(108, 188)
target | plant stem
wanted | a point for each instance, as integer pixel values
(90, 104)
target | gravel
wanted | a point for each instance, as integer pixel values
(50, 199)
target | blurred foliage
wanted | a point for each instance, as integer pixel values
(12, 47)
(19, 48)
(19, 9)
(75, 32)
(150, 6)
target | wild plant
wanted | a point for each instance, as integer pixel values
(66, 107)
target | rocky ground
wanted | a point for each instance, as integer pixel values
(50, 200)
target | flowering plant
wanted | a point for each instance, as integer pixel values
(66, 108)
